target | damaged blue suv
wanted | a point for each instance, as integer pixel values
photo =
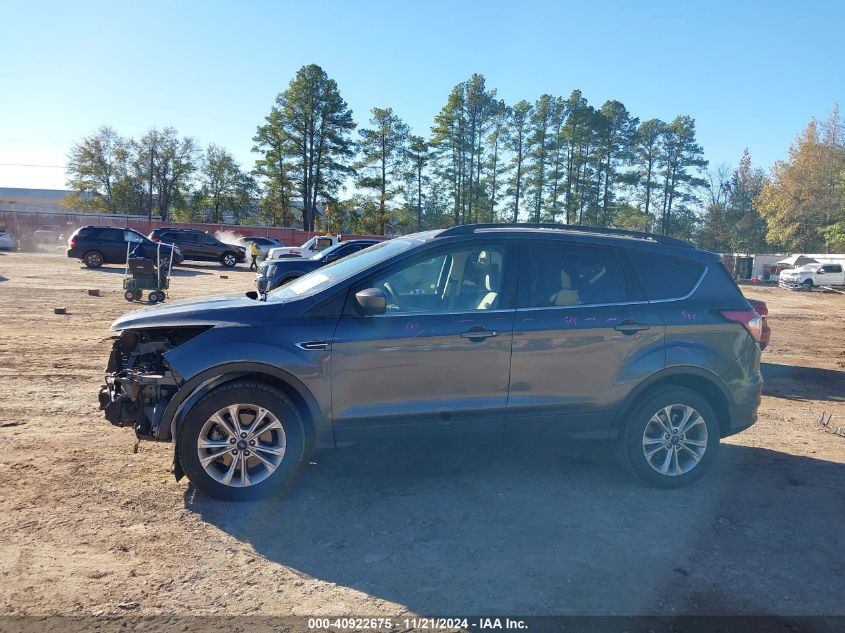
(536, 331)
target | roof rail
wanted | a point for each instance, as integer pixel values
(464, 229)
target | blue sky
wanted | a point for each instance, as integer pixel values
(751, 73)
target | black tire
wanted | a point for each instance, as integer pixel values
(138, 294)
(93, 259)
(250, 393)
(229, 260)
(632, 438)
(153, 297)
(807, 284)
(129, 295)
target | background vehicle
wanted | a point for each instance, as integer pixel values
(762, 309)
(264, 244)
(514, 331)
(810, 275)
(312, 246)
(98, 245)
(277, 272)
(7, 241)
(200, 246)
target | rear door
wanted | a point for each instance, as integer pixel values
(113, 245)
(438, 360)
(583, 338)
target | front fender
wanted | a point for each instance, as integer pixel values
(269, 350)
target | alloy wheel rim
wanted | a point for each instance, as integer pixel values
(675, 440)
(229, 260)
(95, 259)
(241, 445)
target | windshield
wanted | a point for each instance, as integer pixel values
(341, 270)
(330, 249)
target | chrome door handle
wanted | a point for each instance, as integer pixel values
(479, 334)
(630, 327)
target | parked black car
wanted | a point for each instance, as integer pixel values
(277, 272)
(98, 245)
(201, 246)
(519, 331)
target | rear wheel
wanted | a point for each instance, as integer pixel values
(154, 297)
(129, 295)
(229, 260)
(671, 437)
(93, 259)
(242, 441)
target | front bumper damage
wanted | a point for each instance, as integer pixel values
(139, 382)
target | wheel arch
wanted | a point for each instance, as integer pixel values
(699, 380)
(196, 388)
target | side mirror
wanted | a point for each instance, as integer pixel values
(331, 257)
(263, 285)
(371, 301)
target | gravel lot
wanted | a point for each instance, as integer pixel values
(91, 528)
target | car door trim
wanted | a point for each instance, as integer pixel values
(620, 303)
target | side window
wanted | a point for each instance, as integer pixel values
(115, 235)
(132, 237)
(664, 277)
(321, 243)
(832, 268)
(567, 274)
(465, 278)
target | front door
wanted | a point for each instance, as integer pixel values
(583, 337)
(439, 358)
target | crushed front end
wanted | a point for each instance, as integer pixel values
(140, 382)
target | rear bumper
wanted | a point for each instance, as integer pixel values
(743, 413)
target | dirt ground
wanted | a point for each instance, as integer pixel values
(88, 527)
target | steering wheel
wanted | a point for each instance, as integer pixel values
(391, 294)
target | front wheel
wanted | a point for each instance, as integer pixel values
(242, 441)
(807, 284)
(671, 438)
(229, 260)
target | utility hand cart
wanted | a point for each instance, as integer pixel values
(144, 274)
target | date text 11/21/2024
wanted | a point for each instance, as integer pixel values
(421, 623)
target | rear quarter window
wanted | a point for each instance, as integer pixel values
(663, 276)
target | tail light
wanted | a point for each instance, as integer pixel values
(71, 242)
(749, 319)
(154, 238)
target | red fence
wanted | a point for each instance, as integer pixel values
(24, 225)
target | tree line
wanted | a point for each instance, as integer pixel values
(554, 159)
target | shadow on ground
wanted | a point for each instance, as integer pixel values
(803, 383)
(541, 532)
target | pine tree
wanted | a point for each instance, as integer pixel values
(318, 123)
(682, 158)
(518, 146)
(383, 152)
